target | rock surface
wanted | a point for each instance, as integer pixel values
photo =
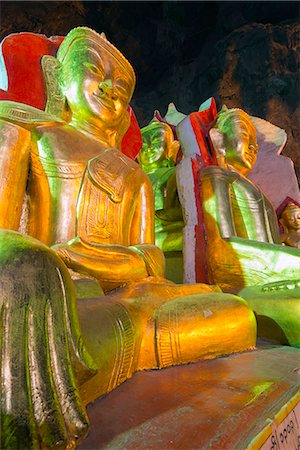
(245, 54)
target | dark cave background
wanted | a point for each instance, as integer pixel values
(245, 54)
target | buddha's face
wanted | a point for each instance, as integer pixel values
(241, 145)
(291, 217)
(156, 142)
(96, 85)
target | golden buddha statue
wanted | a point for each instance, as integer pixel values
(244, 253)
(157, 158)
(240, 221)
(289, 219)
(96, 207)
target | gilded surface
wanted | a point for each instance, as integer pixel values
(243, 243)
(95, 207)
(290, 221)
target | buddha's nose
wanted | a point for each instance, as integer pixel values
(106, 86)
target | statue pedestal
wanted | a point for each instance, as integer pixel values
(248, 400)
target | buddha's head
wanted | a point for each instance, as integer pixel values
(234, 140)
(290, 218)
(95, 78)
(159, 146)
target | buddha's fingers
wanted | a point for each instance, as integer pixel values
(46, 408)
(72, 409)
(64, 291)
(17, 424)
(59, 413)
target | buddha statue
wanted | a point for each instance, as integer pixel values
(157, 158)
(289, 219)
(244, 253)
(60, 177)
(95, 207)
(243, 243)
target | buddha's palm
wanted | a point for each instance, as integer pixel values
(40, 344)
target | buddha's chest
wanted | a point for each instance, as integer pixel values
(62, 152)
(107, 200)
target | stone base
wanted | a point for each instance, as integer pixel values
(231, 402)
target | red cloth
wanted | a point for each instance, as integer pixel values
(201, 122)
(22, 53)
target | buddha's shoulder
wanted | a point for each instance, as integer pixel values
(214, 172)
(219, 176)
(221, 173)
(26, 116)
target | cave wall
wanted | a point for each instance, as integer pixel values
(245, 54)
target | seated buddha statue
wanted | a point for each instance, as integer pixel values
(243, 242)
(289, 219)
(243, 249)
(95, 207)
(157, 158)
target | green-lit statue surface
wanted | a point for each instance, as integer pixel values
(96, 208)
(157, 158)
(244, 253)
(241, 222)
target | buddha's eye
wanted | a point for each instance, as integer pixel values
(253, 148)
(120, 91)
(94, 69)
(121, 88)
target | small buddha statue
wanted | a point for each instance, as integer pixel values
(157, 158)
(289, 219)
(95, 207)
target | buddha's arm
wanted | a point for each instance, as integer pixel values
(112, 265)
(172, 211)
(172, 200)
(142, 231)
(215, 191)
(14, 160)
(236, 206)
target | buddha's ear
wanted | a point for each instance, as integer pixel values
(283, 224)
(218, 139)
(56, 101)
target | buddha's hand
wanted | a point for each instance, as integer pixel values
(291, 239)
(40, 343)
(153, 257)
